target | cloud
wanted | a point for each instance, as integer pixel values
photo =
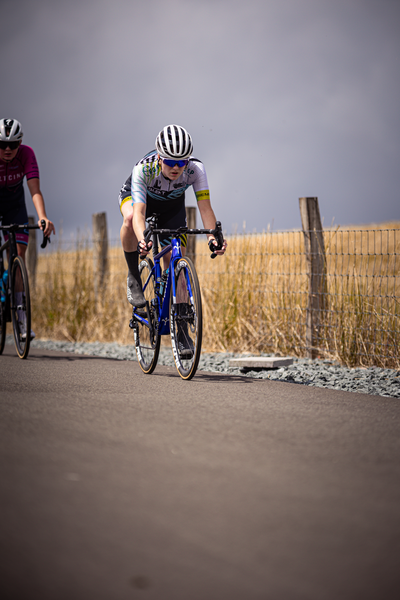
(283, 98)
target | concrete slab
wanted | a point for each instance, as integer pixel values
(260, 362)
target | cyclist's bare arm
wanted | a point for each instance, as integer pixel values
(139, 225)
(208, 218)
(38, 201)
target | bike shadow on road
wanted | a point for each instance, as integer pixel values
(65, 356)
(209, 377)
(164, 370)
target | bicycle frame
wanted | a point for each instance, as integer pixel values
(175, 247)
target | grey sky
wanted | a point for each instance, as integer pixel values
(283, 98)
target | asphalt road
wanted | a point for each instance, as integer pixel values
(117, 485)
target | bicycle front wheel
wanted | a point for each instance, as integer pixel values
(186, 319)
(147, 339)
(3, 325)
(20, 307)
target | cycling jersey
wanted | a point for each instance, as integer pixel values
(12, 173)
(12, 196)
(147, 185)
(147, 181)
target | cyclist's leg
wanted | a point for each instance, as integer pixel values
(127, 235)
(129, 244)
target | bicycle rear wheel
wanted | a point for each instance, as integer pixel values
(20, 307)
(147, 339)
(186, 319)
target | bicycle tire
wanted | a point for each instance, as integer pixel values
(20, 307)
(3, 326)
(186, 319)
(147, 342)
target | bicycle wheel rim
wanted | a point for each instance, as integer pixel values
(20, 307)
(187, 324)
(147, 342)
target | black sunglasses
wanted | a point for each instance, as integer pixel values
(11, 145)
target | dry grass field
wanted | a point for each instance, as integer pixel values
(254, 298)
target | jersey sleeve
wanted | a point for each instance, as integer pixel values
(200, 184)
(29, 161)
(138, 185)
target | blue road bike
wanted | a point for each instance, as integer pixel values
(173, 301)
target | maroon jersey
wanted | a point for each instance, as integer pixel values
(12, 173)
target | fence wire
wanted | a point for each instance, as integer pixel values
(359, 317)
(257, 297)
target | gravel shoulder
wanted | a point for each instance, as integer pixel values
(319, 373)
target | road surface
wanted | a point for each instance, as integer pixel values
(117, 485)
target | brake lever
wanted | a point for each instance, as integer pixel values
(146, 236)
(46, 239)
(217, 233)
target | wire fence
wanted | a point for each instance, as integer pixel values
(261, 296)
(356, 317)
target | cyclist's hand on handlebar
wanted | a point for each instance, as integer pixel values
(49, 227)
(213, 245)
(144, 248)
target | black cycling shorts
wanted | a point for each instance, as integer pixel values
(15, 212)
(172, 213)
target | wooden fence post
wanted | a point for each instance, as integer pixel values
(316, 259)
(31, 254)
(100, 252)
(191, 223)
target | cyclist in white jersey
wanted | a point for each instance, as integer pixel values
(157, 185)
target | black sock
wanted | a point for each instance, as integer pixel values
(132, 262)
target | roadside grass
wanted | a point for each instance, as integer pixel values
(254, 298)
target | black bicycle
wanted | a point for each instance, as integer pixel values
(173, 301)
(15, 304)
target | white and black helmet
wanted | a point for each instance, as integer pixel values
(10, 130)
(174, 142)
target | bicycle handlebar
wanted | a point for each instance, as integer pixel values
(14, 227)
(217, 233)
